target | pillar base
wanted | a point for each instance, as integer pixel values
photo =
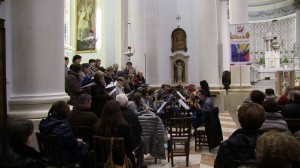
(33, 106)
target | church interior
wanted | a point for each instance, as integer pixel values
(236, 46)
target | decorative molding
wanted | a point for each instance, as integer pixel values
(271, 6)
(283, 29)
(271, 14)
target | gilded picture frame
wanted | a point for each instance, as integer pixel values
(85, 25)
(178, 40)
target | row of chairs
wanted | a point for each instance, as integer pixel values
(49, 146)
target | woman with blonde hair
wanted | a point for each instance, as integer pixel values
(99, 93)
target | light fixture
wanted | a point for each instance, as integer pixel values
(128, 41)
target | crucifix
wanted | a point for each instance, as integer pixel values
(178, 18)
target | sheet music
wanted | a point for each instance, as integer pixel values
(130, 93)
(88, 85)
(161, 107)
(183, 104)
(113, 91)
(180, 95)
(112, 84)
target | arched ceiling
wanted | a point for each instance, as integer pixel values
(269, 9)
(255, 3)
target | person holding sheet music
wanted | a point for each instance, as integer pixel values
(109, 75)
(201, 108)
(99, 93)
(127, 88)
(74, 84)
(84, 74)
(138, 106)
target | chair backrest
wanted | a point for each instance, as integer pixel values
(293, 124)
(244, 164)
(102, 147)
(49, 146)
(84, 133)
(180, 127)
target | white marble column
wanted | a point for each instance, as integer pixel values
(151, 42)
(37, 57)
(137, 19)
(297, 66)
(224, 35)
(208, 42)
(238, 10)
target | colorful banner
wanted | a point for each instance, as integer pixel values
(240, 43)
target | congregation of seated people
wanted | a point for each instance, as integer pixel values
(118, 103)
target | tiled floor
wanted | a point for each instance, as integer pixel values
(202, 158)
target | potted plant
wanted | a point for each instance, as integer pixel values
(261, 62)
(297, 80)
(285, 61)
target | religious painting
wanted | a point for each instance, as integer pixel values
(240, 43)
(85, 26)
(240, 53)
(179, 71)
(178, 40)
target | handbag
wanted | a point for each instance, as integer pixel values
(110, 161)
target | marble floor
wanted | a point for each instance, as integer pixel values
(202, 158)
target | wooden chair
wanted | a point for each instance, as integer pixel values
(84, 133)
(200, 137)
(293, 124)
(244, 164)
(50, 146)
(102, 149)
(175, 113)
(180, 134)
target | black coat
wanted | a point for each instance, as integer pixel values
(72, 150)
(239, 146)
(213, 128)
(291, 110)
(24, 157)
(132, 119)
(80, 116)
(99, 98)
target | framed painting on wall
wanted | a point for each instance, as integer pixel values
(85, 20)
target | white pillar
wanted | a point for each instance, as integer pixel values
(37, 57)
(298, 38)
(208, 42)
(238, 10)
(150, 41)
(224, 36)
(136, 12)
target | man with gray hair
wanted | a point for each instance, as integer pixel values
(132, 119)
(81, 115)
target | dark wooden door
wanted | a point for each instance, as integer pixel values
(3, 110)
